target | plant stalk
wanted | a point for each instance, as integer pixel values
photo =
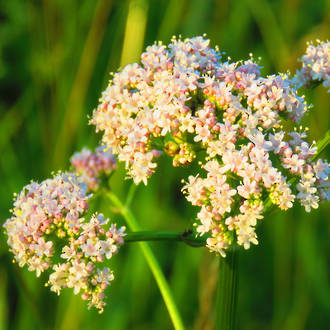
(185, 237)
(322, 144)
(227, 292)
(152, 263)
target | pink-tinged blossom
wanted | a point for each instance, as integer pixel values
(206, 219)
(247, 188)
(277, 142)
(306, 151)
(315, 65)
(42, 247)
(184, 102)
(56, 209)
(321, 169)
(258, 139)
(91, 247)
(294, 164)
(104, 276)
(184, 91)
(307, 192)
(281, 195)
(90, 166)
(37, 209)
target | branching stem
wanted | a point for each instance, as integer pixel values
(151, 260)
(185, 237)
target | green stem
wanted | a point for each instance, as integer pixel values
(152, 263)
(29, 297)
(130, 195)
(227, 292)
(186, 237)
(322, 144)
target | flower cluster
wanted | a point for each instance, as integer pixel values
(48, 231)
(182, 100)
(237, 189)
(145, 109)
(92, 165)
(183, 93)
(315, 65)
(81, 254)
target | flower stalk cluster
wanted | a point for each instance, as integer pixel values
(48, 231)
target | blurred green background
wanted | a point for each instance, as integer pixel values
(55, 57)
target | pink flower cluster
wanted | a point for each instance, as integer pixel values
(81, 255)
(90, 166)
(315, 65)
(237, 188)
(182, 100)
(145, 108)
(48, 222)
(183, 91)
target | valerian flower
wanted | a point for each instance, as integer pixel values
(315, 65)
(184, 91)
(182, 100)
(48, 231)
(90, 166)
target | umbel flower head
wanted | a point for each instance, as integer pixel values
(90, 166)
(48, 231)
(184, 101)
(315, 65)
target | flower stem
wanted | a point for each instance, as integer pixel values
(152, 263)
(322, 144)
(227, 292)
(186, 237)
(30, 297)
(130, 195)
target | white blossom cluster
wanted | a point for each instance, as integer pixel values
(145, 108)
(48, 231)
(182, 100)
(315, 65)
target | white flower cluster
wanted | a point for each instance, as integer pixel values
(48, 223)
(145, 107)
(315, 65)
(233, 195)
(184, 90)
(81, 255)
(182, 100)
(90, 166)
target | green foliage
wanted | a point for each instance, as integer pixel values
(54, 62)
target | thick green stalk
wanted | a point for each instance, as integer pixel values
(152, 263)
(227, 292)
